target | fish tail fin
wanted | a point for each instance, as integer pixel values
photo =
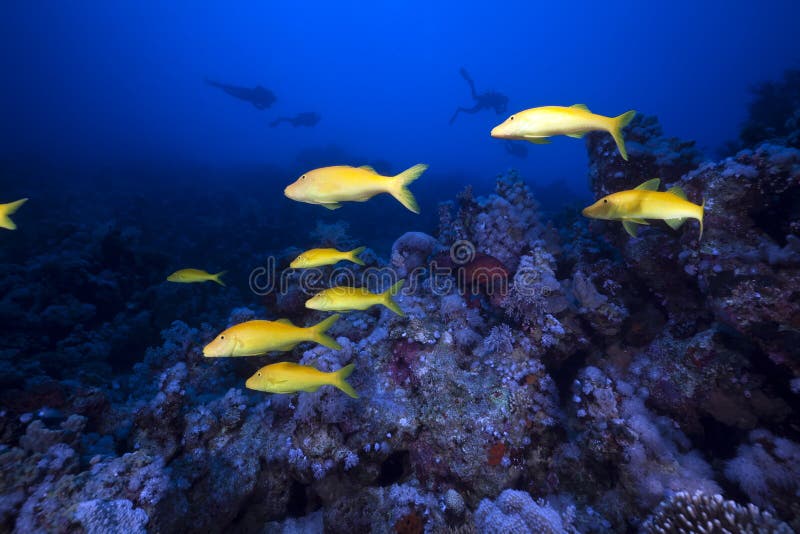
(619, 124)
(216, 278)
(389, 302)
(700, 219)
(353, 255)
(318, 334)
(340, 380)
(399, 187)
(9, 209)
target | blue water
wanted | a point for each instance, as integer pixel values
(96, 83)
(610, 374)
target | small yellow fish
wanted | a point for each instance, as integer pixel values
(343, 298)
(252, 338)
(287, 377)
(329, 186)
(537, 124)
(317, 257)
(188, 276)
(647, 202)
(8, 209)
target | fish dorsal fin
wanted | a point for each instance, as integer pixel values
(582, 107)
(285, 321)
(367, 168)
(649, 185)
(678, 192)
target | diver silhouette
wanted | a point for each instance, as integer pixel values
(488, 100)
(309, 118)
(260, 97)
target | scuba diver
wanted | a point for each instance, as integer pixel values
(260, 97)
(488, 100)
(309, 118)
(516, 149)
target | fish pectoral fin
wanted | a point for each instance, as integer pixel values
(332, 205)
(678, 192)
(649, 185)
(675, 223)
(630, 227)
(637, 221)
(538, 140)
(284, 321)
(576, 135)
(311, 389)
(368, 168)
(583, 107)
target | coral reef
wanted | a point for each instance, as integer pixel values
(594, 383)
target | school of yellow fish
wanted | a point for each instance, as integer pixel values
(331, 186)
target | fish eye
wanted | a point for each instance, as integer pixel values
(222, 337)
(303, 177)
(605, 201)
(511, 118)
(259, 373)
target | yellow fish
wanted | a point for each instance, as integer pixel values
(329, 186)
(537, 124)
(343, 298)
(252, 338)
(188, 276)
(287, 377)
(317, 257)
(647, 202)
(8, 209)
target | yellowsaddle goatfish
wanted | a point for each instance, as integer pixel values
(537, 124)
(330, 186)
(632, 207)
(252, 338)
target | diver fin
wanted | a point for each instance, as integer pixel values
(675, 223)
(331, 205)
(389, 302)
(538, 140)
(368, 168)
(618, 124)
(353, 255)
(678, 192)
(340, 380)
(649, 185)
(630, 227)
(399, 186)
(582, 107)
(284, 321)
(577, 135)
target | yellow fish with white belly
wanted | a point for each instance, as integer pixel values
(189, 276)
(330, 186)
(538, 124)
(343, 298)
(317, 257)
(252, 338)
(287, 377)
(632, 207)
